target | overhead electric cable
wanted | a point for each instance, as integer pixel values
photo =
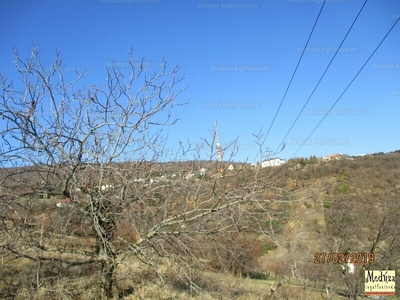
(295, 70)
(294, 73)
(351, 82)
(322, 76)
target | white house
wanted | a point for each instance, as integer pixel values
(351, 267)
(189, 175)
(273, 162)
(107, 187)
(65, 203)
(335, 156)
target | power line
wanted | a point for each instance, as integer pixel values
(323, 75)
(294, 73)
(295, 70)
(351, 82)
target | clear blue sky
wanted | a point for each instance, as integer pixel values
(238, 57)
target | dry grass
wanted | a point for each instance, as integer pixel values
(370, 180)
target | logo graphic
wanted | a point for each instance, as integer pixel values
(380, 283)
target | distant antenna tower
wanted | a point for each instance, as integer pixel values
(218, 147)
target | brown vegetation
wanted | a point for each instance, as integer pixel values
(89, 211)
(340, 222)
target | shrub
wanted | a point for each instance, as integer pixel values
(327, 202)
(268, 246)
(237, 255)
(343, 188)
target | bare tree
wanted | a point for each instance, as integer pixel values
(101, 149)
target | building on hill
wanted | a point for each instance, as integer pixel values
(189, 175)
(335, 156)
(273, 162)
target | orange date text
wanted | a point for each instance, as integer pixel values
(341, 258)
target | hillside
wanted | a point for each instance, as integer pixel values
(341, 206)
(345, 206)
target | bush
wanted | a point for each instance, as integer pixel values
(343, 188)
(327, 202)
(269, 246)
(237, 255)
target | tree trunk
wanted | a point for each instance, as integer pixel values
(108, 267)
(104, 228)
